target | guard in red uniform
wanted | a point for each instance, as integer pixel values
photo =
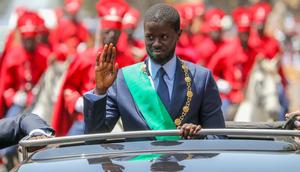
(127, 43)
(12, 39)
(70, 32)
(67, 115)
(42, 36)
(197, 25)
(22, 68)
(243, 20)
(228, 63)
(212, 40)
(184, 48)
(267, 47)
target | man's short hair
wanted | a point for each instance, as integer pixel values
(163, 13)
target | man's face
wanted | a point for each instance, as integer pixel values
(110, 36)
(244, 37)
(216, 35)
(28, 43)
(160, 40)
(260, 27)
(129, 33)
(42, 38)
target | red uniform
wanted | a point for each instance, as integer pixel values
(69, 33)
(80, 78)
(207, 47)
(21, 74)
(264, 45)
(243, 20)
(22, 69)
(127, 43)
(184, 48)
(227, 64)
(12, 40)
(230, 61)
(73, 6)
(66, 37)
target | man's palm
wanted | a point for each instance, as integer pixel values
(106, 70)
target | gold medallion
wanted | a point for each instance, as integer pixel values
(189, 94)
(187, 79)
(185, 109)
(177, 122)
(185, 68)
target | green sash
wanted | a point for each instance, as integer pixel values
(148, 101)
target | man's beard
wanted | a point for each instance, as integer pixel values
(161, 60)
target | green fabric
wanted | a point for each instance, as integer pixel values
(148, 101)
(146, 157)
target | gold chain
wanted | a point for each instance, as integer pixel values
(189, 94)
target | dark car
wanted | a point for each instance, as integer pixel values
(243, 150)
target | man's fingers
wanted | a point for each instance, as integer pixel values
(112, 58)
(186, 130)
(104, 53)
(191, 132)
(98, 58)
(183, 131)
(292, 113)
(99, 67)
(113, 55)
(109, 52)
(197, 130)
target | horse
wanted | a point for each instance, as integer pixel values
(261, 101)
(46, 91)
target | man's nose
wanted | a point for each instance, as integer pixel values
(112, 34)
(156, 42)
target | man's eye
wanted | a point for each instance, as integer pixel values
(149, 37)
(165, 37)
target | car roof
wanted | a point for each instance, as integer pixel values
(241, 147)
(144, 147)
(189, 155)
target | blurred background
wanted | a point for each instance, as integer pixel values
(252, 48)
(290, 8)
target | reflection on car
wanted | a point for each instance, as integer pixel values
(259, 147)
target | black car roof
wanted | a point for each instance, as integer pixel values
(245, 150)
(163, 146)
(182, 155)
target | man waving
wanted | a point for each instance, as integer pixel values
(163, 92)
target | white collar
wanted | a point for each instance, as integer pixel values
(169, 67)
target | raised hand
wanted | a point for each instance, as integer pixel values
(106, 69)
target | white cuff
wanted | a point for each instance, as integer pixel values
(223, 86)
(20, 98)
(92, 96)
(79, 105)
(38, 132)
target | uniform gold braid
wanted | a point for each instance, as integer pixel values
(189, 94)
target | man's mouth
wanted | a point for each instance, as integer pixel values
(157, 51)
